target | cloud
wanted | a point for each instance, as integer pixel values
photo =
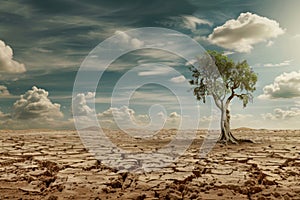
(236, 120)
(270, 43)
(174, 115)
(4, 91)
(122, 112)
(4, 116)
(242, 33)
(83, 113)
(178, 79)
(7, 64)
(128, 40)
(280, 114)
(155, 71)
(122, 117)
(125, 117)
(35, 110)
(282, 64)
(227, 53)
(81, 101)
(191, 22)
(174, 121)
(35, 104)
(286, 85)
(297, 36)
(240, 117)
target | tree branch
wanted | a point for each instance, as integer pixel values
(230, 97)
(217, 101)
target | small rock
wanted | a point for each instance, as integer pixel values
(222, 171)
(261, 198)
(8, 177)
(30, 189)
(220, 193)
(255, 189)
(52, 197)
(175, 195)
(276, 194)
(37, 172)
(194, 196)
(250, 183)
(269, 181)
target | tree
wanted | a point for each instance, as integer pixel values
(223, 79)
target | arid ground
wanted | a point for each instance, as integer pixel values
(55, 165)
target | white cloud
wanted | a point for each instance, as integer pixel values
(236, 120)
(35, 110)
(286, 85)
(227, 53)
(240, 117)
(280, 114)
(125, 117)
(35, 104)
(270, 43)
(4, 116)
(191, 62)
(297, 36)
(191, 22)
(123, 112)
(174, 115)
(128, 40)
(233, 117)
(155, 71)
(282, 64)
(178, 79)
(174, 120)
(206, 119)
(244, 32)
(81, 101)
(7, 64)
(84, 115)
(186, 22)
(4, 91)
(146, 56)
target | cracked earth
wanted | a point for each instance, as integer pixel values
(55, 165)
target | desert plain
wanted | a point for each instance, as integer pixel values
(44, 164)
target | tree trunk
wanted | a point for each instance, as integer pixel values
(226, 135)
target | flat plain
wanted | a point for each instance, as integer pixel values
(44, 164)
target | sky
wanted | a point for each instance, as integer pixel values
(44, 43)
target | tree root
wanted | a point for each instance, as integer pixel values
(230, 139)
(238, 141)
(246, 141)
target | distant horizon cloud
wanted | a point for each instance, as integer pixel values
(4, 91)
(283, 114)
(34, 110)
(242, 33)
(81, 101)
(36, 104)
(282, 64)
